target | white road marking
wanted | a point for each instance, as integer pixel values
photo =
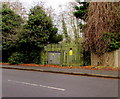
(26, 83)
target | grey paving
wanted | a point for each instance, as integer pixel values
(102, 73)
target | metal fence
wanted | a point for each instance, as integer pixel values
(63, 54)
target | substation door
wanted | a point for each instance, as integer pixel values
(54, 58)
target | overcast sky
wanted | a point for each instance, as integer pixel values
(53, 3)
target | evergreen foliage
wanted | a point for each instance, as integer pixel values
(38, 32)
(17, 58)
(114, 41)
(22, 43)
(81, 10)
(11, 24)
(39, 29)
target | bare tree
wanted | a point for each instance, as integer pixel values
(102, 18)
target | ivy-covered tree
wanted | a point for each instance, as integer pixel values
(82, 13)
(102, 28)
(11, 24)
(65, 32)
(38, 32)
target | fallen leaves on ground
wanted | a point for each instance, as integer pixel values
(108, 68)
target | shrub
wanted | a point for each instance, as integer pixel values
(16, 58)
(34, 57)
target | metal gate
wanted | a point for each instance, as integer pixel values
(54, 57)
(63, 54)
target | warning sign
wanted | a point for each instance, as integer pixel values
(70, 52)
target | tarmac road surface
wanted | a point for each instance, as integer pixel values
(19, 83)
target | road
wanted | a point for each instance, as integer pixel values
(19, 83)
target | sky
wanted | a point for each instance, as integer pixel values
(53, 3)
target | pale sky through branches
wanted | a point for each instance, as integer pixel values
(53, 3)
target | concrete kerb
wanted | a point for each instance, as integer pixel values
(61, 72)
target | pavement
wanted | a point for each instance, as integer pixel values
(75, 71)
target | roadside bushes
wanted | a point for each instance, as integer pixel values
(20, 58)
(17, 58)
(34, 56)
(22, 41)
